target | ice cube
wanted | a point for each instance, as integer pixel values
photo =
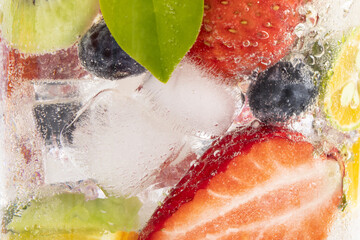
(355, 223)
(125, 139)
(337, 15)
(346, 225)
(191, 101)
(57, 104)
(60, 166)
(121, 143)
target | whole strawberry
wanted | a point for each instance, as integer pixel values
(239, 36)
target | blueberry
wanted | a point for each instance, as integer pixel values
(282, 91)
(102, 56)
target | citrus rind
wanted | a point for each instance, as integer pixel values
(341, 97)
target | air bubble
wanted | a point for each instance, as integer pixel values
(194, 163)
(312, 16)
(319, 49)
(317, 76)
(311, 60)
(237, 60)
(300, 30)
(263, 35)
(266, 61)
(246, 43)
(255, 124)
(327, 64)
(217, 153)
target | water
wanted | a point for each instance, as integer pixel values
(144, 128)
(71, 132)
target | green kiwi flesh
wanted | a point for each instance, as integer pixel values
(72, 212)
(40, 26)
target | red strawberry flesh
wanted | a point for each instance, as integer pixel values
(240, 36)
(254, 184)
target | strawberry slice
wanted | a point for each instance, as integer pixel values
(263, 183)
(63, 64)
(240, 36)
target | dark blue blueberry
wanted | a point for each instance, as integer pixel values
(102, 56)
(282, 91)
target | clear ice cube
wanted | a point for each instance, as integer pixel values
(125, 139)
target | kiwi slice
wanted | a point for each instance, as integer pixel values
(39, 26)
(71, 212)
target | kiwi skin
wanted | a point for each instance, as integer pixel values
(41, 26)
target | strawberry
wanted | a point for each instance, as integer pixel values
(240, 36)
(63, 64)
(263, 183)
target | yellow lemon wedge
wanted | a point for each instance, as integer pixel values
(74, 236)
(342, 100)
(352, 176)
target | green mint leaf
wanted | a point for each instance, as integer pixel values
(156, 33)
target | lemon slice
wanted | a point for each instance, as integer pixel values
(352, 176)
(75, 236)
(342, 101)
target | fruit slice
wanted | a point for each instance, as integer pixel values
(75, 236)
(254, 184)
(38, 26)
(62, 64)
(352, 176)
(240, 36)
(342, 101)
(71, 213)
